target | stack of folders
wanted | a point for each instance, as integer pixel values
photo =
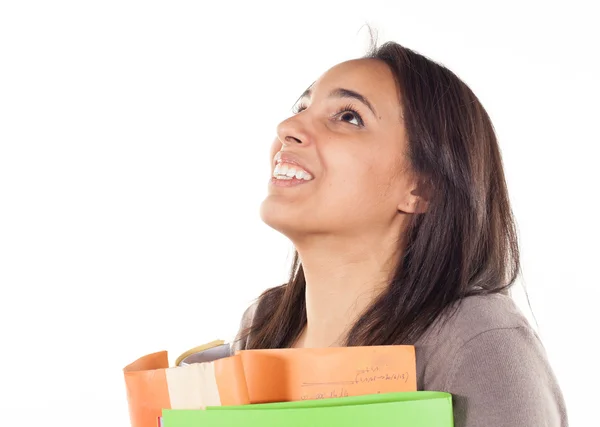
(209, 386)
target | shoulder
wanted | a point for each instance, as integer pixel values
(258, 309)
(469, 325)
(241, 338)
(477, 315)
(502, 377)
(492, 361)
(479, 325)
(248, 315)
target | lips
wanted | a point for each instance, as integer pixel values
(290, 158)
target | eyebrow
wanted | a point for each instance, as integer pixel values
(344, 93)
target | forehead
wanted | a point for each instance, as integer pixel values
(371, 78)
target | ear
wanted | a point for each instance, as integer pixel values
(416, 199)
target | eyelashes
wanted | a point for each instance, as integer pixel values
(349, 109)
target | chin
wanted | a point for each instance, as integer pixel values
(282, 217)
(275, 215)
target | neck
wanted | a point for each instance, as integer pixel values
(343, 277)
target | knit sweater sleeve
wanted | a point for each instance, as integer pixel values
(501, 378)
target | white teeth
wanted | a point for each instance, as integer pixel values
(287, 171)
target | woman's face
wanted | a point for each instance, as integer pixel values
(349, 134)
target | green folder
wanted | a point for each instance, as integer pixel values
(409, 409)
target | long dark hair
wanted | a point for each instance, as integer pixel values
(465, 244)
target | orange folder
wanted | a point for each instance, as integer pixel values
(266, 376)
(147, 389)
(286, 375)
(153, 386)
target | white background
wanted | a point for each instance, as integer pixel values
(134, 157)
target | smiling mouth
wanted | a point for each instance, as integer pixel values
(288, 171)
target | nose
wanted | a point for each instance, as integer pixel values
(292, 132)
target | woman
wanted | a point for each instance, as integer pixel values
(400, 216)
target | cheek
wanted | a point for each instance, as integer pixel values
(371, 185)
(355, 180)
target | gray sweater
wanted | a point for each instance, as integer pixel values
(491, 361)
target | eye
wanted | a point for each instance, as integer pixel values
(349, 113)
(298, 108)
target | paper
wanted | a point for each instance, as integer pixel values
(193, 386)
(153, 386)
